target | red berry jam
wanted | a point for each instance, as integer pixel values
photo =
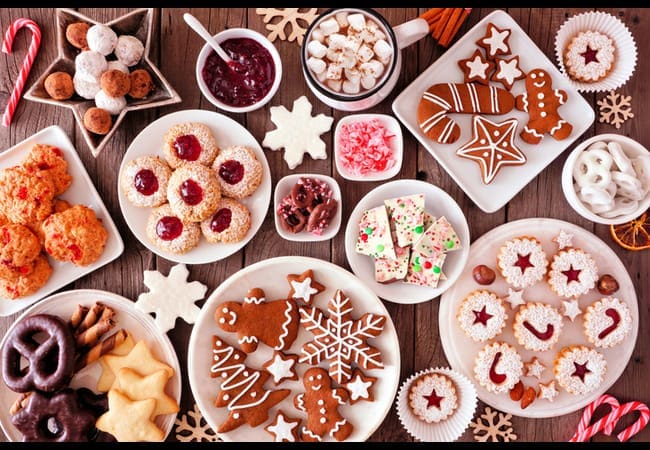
(542, 335)
(248, 80)
(169, 228)
(187, 147)
(496, 377)
(146, 182)
(221, 220)
(231, 171)
(191, 192)
(616, 319)
(76, 252)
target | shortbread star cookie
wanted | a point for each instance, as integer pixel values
(130, 421)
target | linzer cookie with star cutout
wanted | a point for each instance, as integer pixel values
(579, 369)
(573, 272)
(589, 56)
(482, 315)
(522, 261)
(432, 397)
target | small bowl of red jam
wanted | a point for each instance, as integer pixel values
(250, 81)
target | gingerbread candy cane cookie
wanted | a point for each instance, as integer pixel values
(470, 98)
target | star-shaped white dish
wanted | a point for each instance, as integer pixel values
(137, 23)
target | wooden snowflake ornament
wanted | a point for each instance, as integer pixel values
(192, 427)
(292, 17)
(488, 426)
(615, 109)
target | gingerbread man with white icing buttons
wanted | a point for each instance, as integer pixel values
(542, 102)
(321, 402)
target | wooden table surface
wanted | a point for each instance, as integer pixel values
(174, 50)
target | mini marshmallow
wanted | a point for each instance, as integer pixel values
(352, 74)
(372, 68)
(351, 87)
(116, 65)
(317, 35)
(352, 43)
(347, 60)
(368, 82)
(315, 48)
(322, 76)
(332, 55)
(86, 87)
(382, 49)
(316, 65)
(336, 41)
(334, 85)
(365, 53)
(90, 64)
(357, 21)
(367, 36)
(342, 18)
(329, 26)
(101, 39)
(334, 71)
(114, 105)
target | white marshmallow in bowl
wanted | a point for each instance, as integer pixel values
(383, 50)
(317, 65)
(316, 49)
(329, 26)
(357, 21)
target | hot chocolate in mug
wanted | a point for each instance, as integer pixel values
(351, 57)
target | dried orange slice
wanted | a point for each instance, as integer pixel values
(633, 235)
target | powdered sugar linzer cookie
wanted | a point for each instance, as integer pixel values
(498, 367)
(432, 397)
(607, 322)
(537, 326)
(573, 273)
(579, 369)
(522, 261)
(589, 56)
(482, 315)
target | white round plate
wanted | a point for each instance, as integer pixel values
(226, 132)
(141, 326)
(460, 350)
(270, 275)
(438, 203)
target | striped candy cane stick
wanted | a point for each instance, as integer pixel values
(633, 429)
(7, 44)
(586, 431)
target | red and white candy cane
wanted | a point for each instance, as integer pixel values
(633, 429)
(7, 44)
(586, 431)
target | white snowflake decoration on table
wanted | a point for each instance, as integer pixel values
(571, 308)
(288, 16)
(515, 298)
(563, 239)
(493, 429)
(298, 132)
(171, 297)
(192, 427)
(615, 109)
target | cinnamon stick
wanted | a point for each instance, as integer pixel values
(444, 17)
(463, 16)
(446, 35)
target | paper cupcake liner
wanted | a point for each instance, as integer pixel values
(449, 429)
(625, 53)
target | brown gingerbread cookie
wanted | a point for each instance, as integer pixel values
(542, 102)
(495, 41)
(304, 287)
(274, 323)
(242, 389)
(476, 68)
(321, 402)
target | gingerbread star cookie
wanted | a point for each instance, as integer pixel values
(495, 41)
(304, 287)
(477, 68)
(360, 387)
(282, 367)
(284, 428)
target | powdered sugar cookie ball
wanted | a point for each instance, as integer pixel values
(101, 38)
(85, 86)
(90, 64)
(229, 223)
(117, 65)
(114, 105)
(129, 49)
(193, 192)
(144, 181)
(168, 232)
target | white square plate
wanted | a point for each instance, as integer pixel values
(510, 180)
(81, 191)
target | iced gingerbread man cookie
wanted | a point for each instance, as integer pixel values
(274, 323)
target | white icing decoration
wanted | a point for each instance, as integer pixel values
(280, 368)
(358, 388)
(496, 41)
(285, 325)
(282, 430)
(302, 289)
(477, 68)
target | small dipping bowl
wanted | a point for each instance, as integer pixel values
(249, 86)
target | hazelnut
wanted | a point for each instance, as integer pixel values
(607, 284)
(483, 274)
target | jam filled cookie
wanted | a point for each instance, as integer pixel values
(589, 56)
(537, 326)
(432, 397)
(607, 322)
(238, 170)
(23, 285)
(193, 192)
(168, 232)
(579, 369)
(189, 142)
(573, 272)
(24, 197)
(229, 223)
(522, 261)
(498, 367)
(48, 160)
(145, 180)
(482, 315)
(75, 235)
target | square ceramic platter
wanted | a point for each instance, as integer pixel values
(510, 180)
(284, 187)
(81, 191)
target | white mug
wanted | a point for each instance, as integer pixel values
(398, 37)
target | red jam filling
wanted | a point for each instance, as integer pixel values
(169, 228)
(247, 80)
(590, 55)
(191, 192)
(433, 399)
(76, 252)
(496, 378)
(572, 274)
(22, 193)
(231, 171)
(187, 147)
(544, 336)
(616, 319)
(146, 182)
(221, 220)
(523, 262)
(481, 316)
(581, 370)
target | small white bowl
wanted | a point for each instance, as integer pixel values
(631, 148)
(234, 33)
(396, 143)
(283, 188)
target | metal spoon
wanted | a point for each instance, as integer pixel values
(197, 26)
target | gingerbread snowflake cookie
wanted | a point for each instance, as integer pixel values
(298, 132)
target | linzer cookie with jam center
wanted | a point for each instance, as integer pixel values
(522, 261)
(579, 369)
(573, 272)
(537, 326)
(432, 397)
(498, 367)
(482, 315)
(607, 322)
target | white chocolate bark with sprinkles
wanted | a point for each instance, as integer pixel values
(406, 216)
(439, 237)
(374, 238)
(389, 270)
(425, 270)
